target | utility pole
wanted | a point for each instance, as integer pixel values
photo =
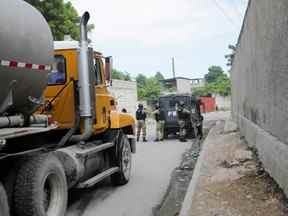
(173, 67)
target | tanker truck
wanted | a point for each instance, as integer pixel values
(59, 126)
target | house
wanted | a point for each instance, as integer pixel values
(183, 85)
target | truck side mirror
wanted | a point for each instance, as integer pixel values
(108, 69)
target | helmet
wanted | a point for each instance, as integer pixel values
(181, 104)
(157, 106)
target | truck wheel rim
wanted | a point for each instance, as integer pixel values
(52, 194)
(126, 159)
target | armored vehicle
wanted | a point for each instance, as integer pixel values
(169, 103)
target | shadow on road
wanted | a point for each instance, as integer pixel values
(79, 200)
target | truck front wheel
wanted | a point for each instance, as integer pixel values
(4, 209)
(123, 159)
(41, 187)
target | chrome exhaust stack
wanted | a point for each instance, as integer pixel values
(85, 103)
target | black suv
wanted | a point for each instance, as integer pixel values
(168, 104)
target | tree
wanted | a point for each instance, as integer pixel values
(217, 82)
(149, 88)
(152, 89)
(116, 74)
(223, 86)
(159, 76)
(141, 80)
(62, 18)
(141, 83)
(214, 73)
(201, 91)
(149, 91)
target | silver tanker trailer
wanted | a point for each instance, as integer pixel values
(26, 53)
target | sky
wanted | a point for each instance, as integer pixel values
(143, 35)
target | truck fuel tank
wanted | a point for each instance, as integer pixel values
(26, 53)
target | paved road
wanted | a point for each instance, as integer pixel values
(153, 164)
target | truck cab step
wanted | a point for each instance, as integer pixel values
(94, 180)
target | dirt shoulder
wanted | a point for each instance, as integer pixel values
(232, 182)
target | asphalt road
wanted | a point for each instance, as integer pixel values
(152, 166)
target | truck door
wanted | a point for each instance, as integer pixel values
(60, 90)
(102, 98)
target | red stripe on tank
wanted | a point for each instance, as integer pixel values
(28, 65)
(13, 64)
(16, 64)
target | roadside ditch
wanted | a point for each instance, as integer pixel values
(180, 179)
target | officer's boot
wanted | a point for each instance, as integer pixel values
(144, 139)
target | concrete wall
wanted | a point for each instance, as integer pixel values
(223, 102)
(125, 93)
(183, 86)
(260, 84)
(196, 83)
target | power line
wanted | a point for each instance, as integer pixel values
(221, 9)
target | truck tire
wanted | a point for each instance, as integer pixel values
(41, 187)
(123, 159)
(4, 208)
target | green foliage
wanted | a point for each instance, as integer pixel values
(159, 76)
(221, 86)
(152, 89)
(62, 18)
(116, 74)
(213, 74)
(149, 88)
(201, 91)
(217, 82)
(141, 80)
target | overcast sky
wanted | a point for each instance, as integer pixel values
(143, 35)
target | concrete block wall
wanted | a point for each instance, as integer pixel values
(125, 93)
(223, 102)
(260, 84)
(183, 86)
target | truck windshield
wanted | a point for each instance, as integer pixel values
(58, 74)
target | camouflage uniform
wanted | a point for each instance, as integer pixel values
(197, 120)
(159, 117)
(183, 115)
(141, 124)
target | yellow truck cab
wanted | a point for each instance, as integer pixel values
(61, 91)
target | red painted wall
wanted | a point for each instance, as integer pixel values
(209, 104)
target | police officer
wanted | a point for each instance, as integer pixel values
(160, 122)
(183, 116)
(141, 124)
(201, 118)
